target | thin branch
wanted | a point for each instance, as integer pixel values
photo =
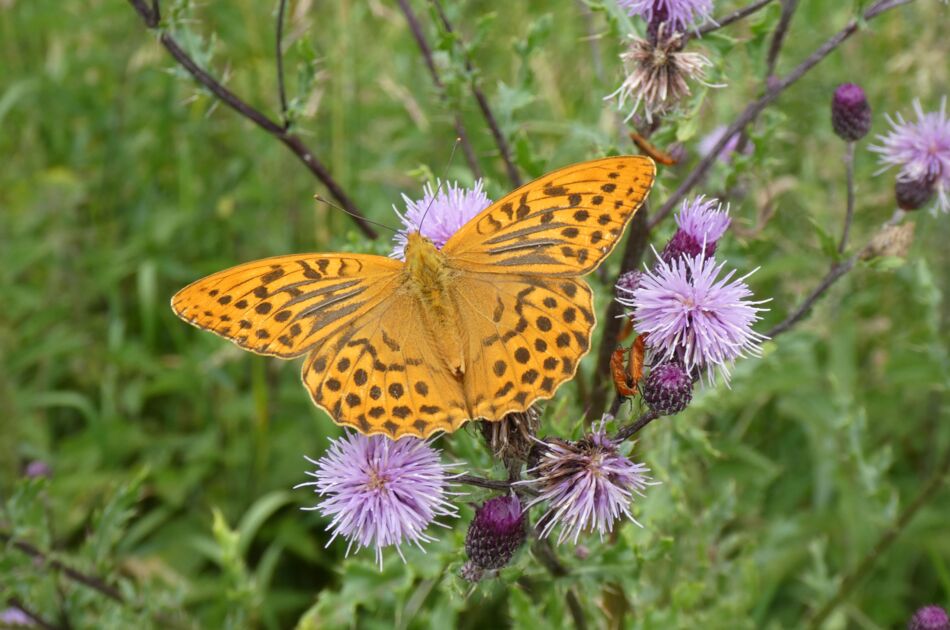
(150, 16)
(849, 213)
(78, 576)
(481, 482)
(778, 36)
(632, 255)
(628, 431)
(426, 51)
(830, 278)
(281, 10)
(887, 539)
(755, 108)
(726, 20)
(487, 113)
(95, 583)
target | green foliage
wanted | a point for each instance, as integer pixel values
(173, 453)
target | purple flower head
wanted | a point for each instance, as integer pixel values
(692, 315)
(680, 13)
(494, 535)
(929, 618)
(446, 209)
(701, 224)
(587, 485)
(850, 112)
(38, 468)
(709, 141)
(12, 617)
(668, 389)
(379, 492)
(921, 150)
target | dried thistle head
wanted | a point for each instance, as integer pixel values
(891, 240)
(512, 437)
(658, 74)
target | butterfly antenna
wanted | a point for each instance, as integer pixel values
(358, 216)
(438, 188)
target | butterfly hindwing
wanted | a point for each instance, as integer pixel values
(287, 305)
(526, 336)
(384, 373)
(564, 223)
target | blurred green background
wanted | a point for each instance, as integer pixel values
(172, 453)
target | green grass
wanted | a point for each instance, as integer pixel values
(122, 182)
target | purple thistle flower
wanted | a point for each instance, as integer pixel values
(929, 618)
(446, 209)
(692, 315)
(709, 141)
(38, 468)
(493, 536)
(920, 149)
(379, 492)
(850, 112)
(14, 616)
(680, 13)
(587, 485)
(701, 224)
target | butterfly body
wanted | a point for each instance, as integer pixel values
(495, 320)
(431, 281)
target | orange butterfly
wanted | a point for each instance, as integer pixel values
(494, 321)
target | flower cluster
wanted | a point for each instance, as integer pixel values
(694, 315)
(921, 151)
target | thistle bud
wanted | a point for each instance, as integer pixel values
(683, 244)
(627, 284)
(668, 389)
(913, 194)
(850, 112)
(929, 618)
(494, 535)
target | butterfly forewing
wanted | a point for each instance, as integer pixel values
(563, 224)
(286, 305)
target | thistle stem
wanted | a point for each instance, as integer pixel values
(849, 213)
